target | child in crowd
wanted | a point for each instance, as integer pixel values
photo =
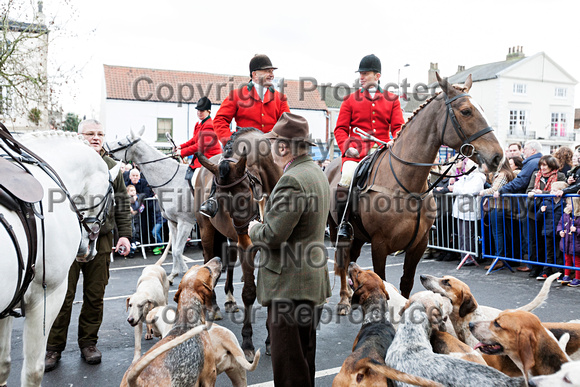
(136, 208)
(569, 231)
(548, 217)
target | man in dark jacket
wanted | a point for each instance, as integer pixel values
(532, 153)
(96, 271)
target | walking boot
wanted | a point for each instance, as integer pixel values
(210, 207)
(91, 354)
(345, 232)
(51, 360)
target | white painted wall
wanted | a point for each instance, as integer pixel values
(119, 116)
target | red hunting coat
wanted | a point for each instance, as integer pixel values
(245, 105)
(377, 116)
(204, 140)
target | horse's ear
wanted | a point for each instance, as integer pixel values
(468, 82)
(141, 131)
(443, 84)
(240, 166)
(114, 172)
(213, 168)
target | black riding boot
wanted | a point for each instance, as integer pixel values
(210, 207)
(345, 228)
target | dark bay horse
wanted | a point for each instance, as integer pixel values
(395, 210)
(243, 174)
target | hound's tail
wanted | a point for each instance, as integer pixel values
(393, 374)
(134, 372)
(165, 252)
(542, 295)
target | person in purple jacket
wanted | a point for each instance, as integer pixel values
(569, 229)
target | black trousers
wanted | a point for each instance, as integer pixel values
(292, 327)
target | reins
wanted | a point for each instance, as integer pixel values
(253, 182)
(125, 158)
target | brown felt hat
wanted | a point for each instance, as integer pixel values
(291, 127)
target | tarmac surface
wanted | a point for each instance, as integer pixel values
(503, 290)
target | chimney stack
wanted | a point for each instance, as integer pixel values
(460, 68)
(516, 52)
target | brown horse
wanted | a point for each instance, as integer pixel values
(396, 211)
(243, 174)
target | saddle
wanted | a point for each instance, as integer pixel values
(19, 183)
(18, 191)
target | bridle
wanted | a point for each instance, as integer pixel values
(466, 150)
(253, 182)
(129, 144)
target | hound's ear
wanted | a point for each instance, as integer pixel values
(526, 348)
(149, 305)
(468, 82)
(213, 168)
(177, 294)
(128, 299)
(385, 291)
(404, 308)
(467, 306)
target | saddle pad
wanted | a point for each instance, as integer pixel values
(20, 183)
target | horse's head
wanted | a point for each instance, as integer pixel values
(121, 149)
(236, 188)
(466, 128)
(94, 206)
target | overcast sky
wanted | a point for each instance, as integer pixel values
(320, 39)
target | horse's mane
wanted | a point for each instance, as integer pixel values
(228, 152)
(53, 134)
(458, 87)
(229, 147)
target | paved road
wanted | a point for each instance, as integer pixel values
(335, 337)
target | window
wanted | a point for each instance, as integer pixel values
(560, 92)
(558, 125)
(518, 122)
(164, 125)
(554, 148)
(519, 88)
(5, 100)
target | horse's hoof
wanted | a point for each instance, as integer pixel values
(249, 354)
(343, 309)
(231, 307)
(268, 350)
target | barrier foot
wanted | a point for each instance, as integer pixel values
(465, 259)
(495, 261)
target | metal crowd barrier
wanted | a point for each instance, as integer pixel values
(456, 227)
(526, 230)
(147, 220)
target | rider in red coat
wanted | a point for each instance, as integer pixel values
(255, 105)
(375, 111)
(204, 139)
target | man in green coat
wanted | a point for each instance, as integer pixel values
(293, 274)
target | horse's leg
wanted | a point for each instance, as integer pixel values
(412, 257)
(229, 254)
(36, 329)
(180, 235)
(5, 341)
(173, 232)
(379, 252)
(345, 255)
(248, 295)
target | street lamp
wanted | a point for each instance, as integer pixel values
(399, 76)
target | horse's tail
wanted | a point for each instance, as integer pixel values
(165, 252)
(134, 372)
(393, 374)
(542, 295)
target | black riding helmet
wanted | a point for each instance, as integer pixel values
(369, 63)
